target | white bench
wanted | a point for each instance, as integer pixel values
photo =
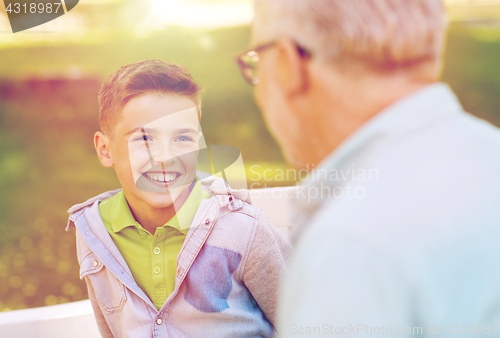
(76, 319)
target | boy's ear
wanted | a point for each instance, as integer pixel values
(101, 144)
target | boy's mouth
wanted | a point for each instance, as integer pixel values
(162, 178)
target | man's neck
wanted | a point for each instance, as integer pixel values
(347, 103)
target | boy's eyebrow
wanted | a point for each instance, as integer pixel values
(147, 130)
(186, 130)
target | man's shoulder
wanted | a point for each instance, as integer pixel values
(441, 157)
(442, 180)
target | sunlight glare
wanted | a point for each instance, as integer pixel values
(198, 14)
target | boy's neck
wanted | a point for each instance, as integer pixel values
(151, 218)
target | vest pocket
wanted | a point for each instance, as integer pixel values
(109, 291)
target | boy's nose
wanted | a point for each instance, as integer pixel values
(163, 154)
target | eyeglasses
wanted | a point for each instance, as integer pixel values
(248, 61)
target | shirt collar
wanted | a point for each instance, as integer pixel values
(121, 216)
(412, 112)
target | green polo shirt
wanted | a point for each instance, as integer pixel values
(152, 259)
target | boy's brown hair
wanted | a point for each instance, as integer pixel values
(139, 78)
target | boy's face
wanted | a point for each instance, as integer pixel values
(154, 148)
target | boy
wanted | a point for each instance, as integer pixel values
(167, 256)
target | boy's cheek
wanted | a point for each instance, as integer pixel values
(139, 163)
(188, 156)
(192, 160)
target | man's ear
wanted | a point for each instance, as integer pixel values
(291, 68)
(101, 144)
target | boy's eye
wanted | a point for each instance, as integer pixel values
(184, 139)
(144, 138)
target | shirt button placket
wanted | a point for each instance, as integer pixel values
(157, 265)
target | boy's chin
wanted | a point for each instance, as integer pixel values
(158, 200)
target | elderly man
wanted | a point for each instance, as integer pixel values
(397, 227)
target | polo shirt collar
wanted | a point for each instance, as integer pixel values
(121, 216)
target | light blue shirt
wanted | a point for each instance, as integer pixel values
(398, 230)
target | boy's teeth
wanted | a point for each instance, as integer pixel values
(163, 178)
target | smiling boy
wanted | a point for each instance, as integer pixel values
(168, 255)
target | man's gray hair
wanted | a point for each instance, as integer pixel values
(384, 34)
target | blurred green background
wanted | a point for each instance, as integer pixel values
(48, 115)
